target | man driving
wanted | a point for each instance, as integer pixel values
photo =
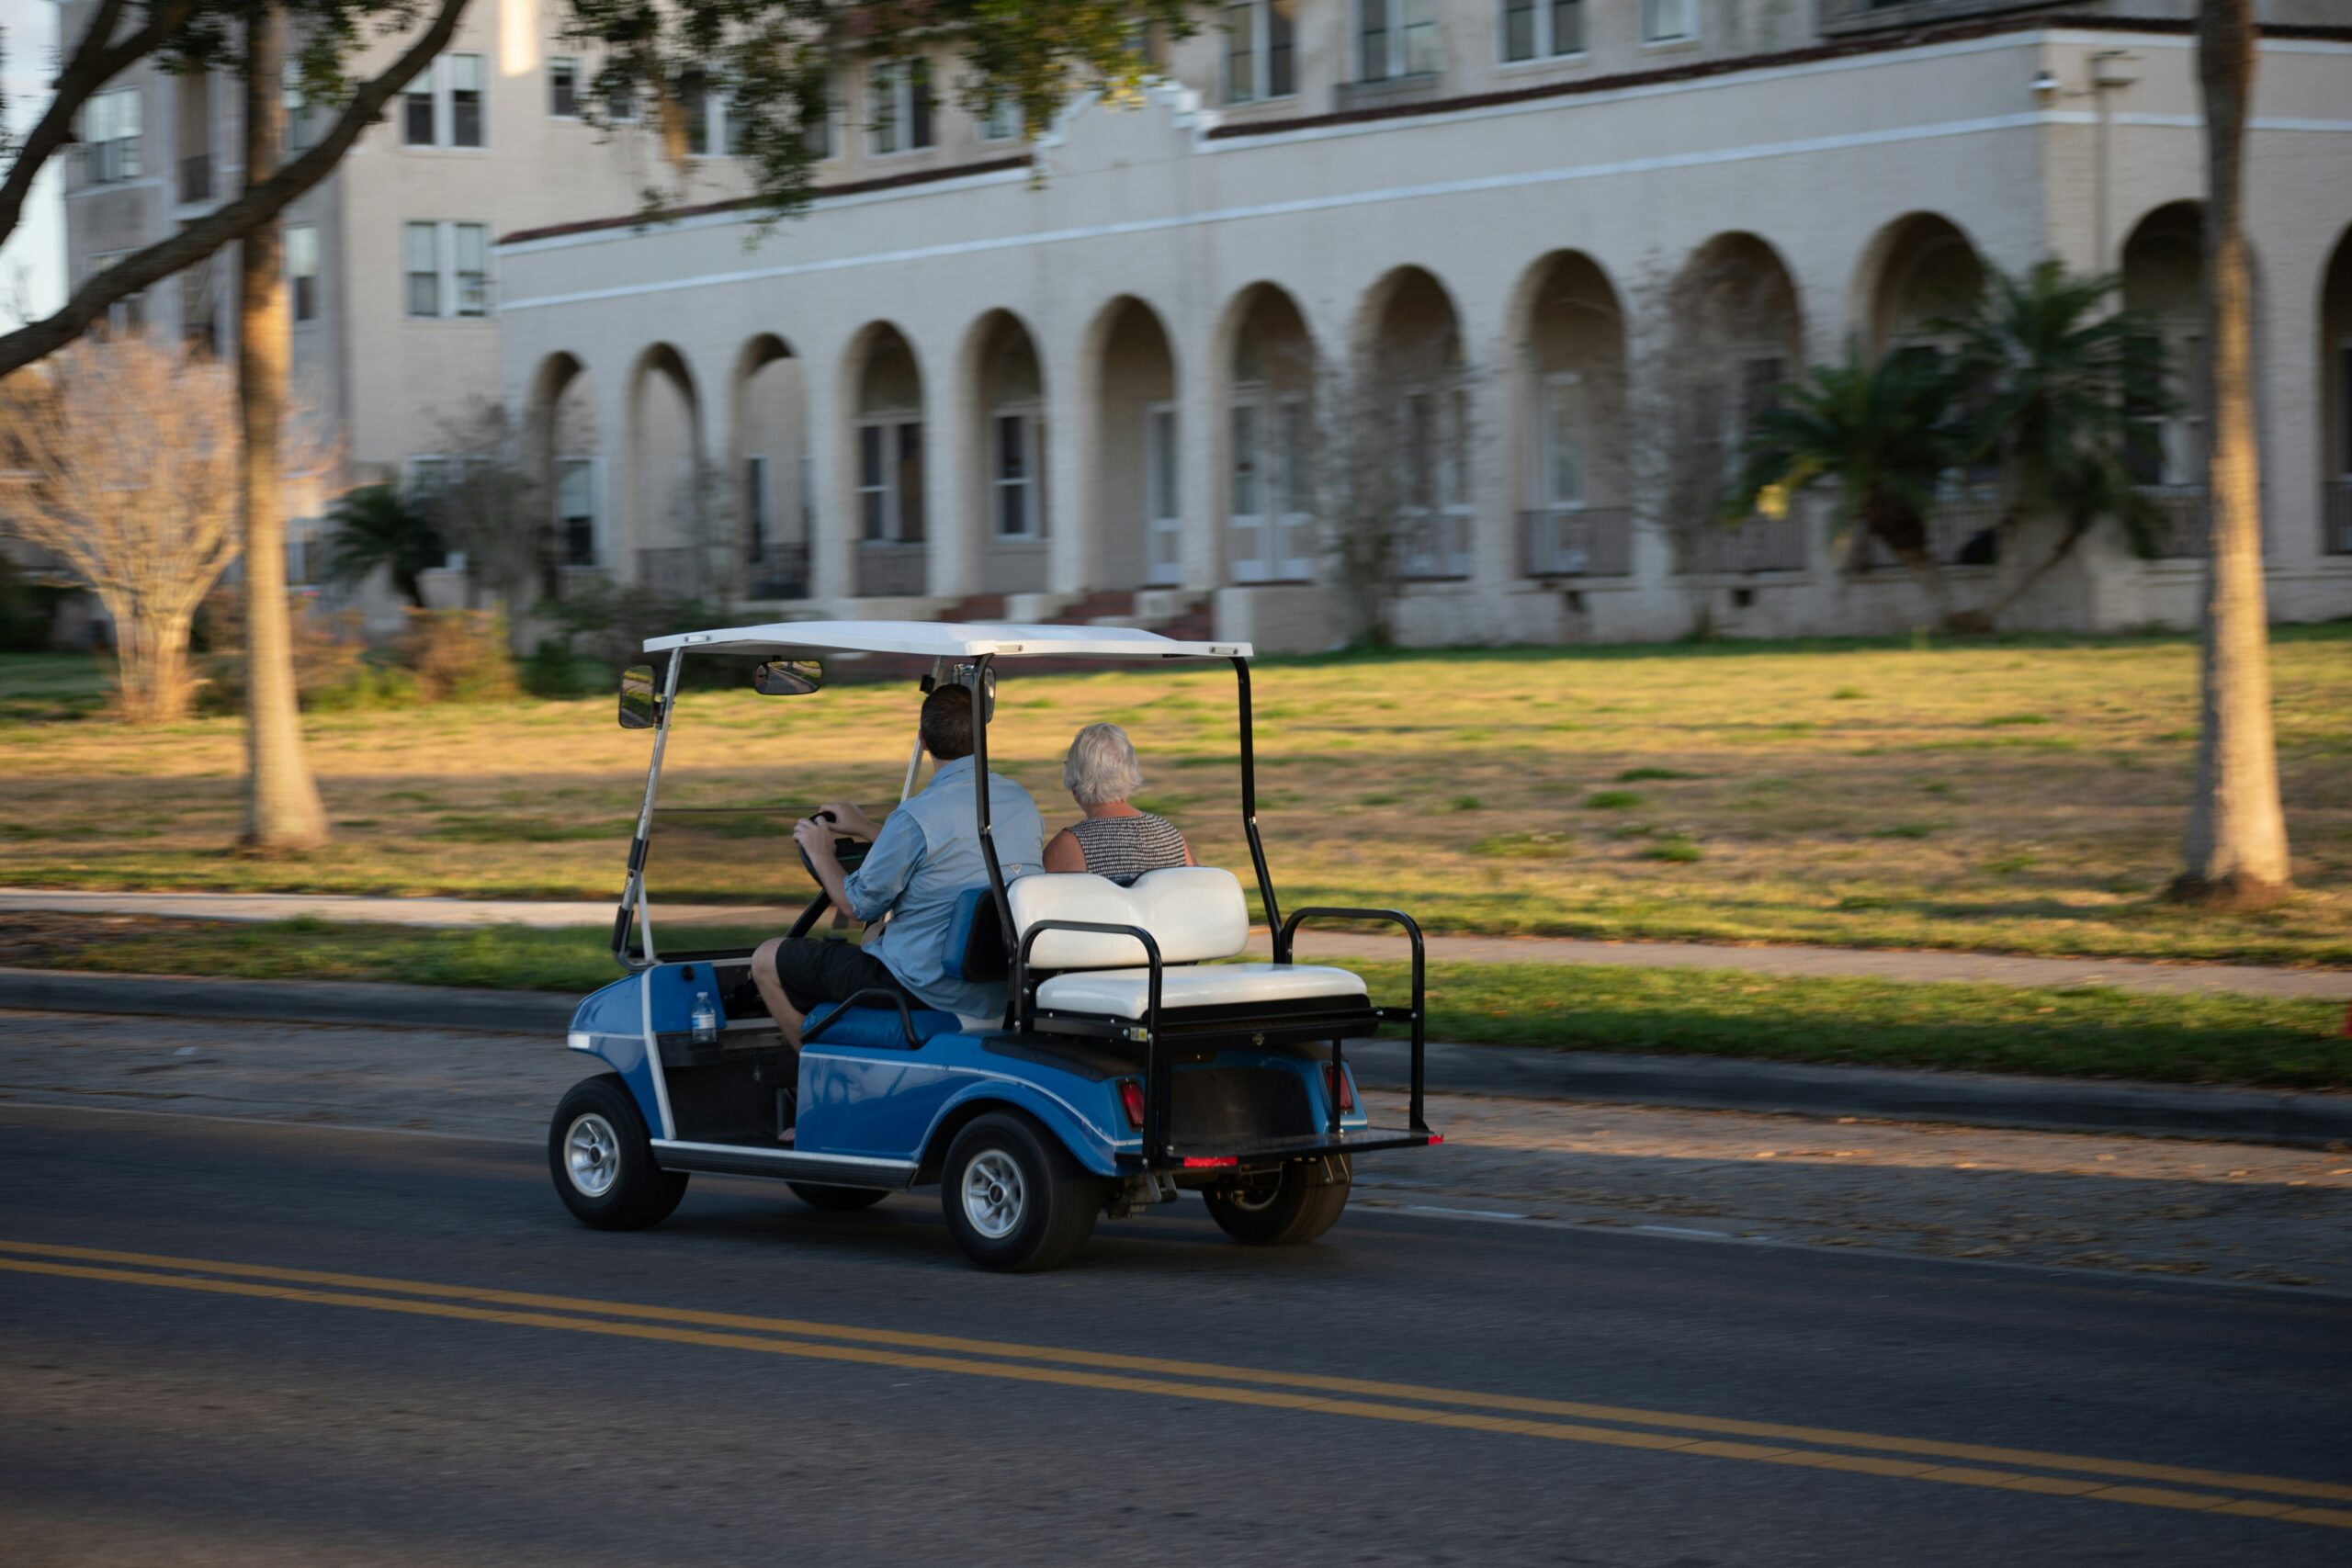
(925, 855)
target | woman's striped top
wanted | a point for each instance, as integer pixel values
(1124, 847)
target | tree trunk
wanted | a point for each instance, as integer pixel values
(282, 806)
(2234, 853)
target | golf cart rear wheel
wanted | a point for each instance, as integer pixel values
(1014, 1197)
(837, 1200)
(602, 1159)
(1282, 1212)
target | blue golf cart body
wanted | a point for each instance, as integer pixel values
(1133, 1060)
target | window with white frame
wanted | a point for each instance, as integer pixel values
(575, 509)
(302, 119)
(1267, 494)
(1542, 29)
(817, 131)
(889, 478)
(1261, 57)
(126, 317)
(563, 86)
(1002, 122)
(448, 268)
(443, 106)
(302, 269)
(1397, 38)
(110, 146)
(1561, 451)
(1669, 21)
(1015, 437)
(899, 105)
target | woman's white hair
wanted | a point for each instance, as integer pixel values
(1101, 766)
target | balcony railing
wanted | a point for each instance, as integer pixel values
(2184, 510)
(781, 573)
(1760, 544)
(1433, 546)
(1576, 541)
(1964, 530)
(573, 583)
(2336, 515)
(672, 571)
(196, 177)
(890, 570)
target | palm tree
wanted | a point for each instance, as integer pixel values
(376, 525)
(2235, 848)
(2057, 378)
(1884, 432)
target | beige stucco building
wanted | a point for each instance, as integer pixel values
(1549, 253)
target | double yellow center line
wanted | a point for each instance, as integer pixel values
(2281, 1498)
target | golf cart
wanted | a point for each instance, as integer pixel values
(1129, 1064)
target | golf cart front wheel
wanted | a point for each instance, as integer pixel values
(602, 1159)
(1285, 1209)
(1014, 1197)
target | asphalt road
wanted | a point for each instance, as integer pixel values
(230, 1343)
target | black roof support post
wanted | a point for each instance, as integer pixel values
(1250, 801)
(978, 683)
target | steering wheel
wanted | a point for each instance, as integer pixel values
(851, 852)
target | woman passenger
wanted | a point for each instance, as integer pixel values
(1114, 839)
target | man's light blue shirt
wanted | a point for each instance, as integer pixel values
(927, 853)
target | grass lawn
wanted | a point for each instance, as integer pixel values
(2082, 1031)
(2024, 796)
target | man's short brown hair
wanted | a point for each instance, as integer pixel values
(947, 722)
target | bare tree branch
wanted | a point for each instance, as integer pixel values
(257, 206)
(98, 59)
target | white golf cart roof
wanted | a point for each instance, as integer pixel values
(937, 639)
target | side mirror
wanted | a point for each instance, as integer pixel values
(788, 677)
(640, 709)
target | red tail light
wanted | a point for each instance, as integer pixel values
(1131, 1096)
(1212, 1162)
(1347, 1090)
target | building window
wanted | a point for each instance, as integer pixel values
(301, 117)
(1564, 436)
(126, 317)
(899, 99)
(575, 509)
(1669, 21)
(1541, 30)
(817, 131)
(1003, 121)
(1397, 38)
(443, 106)
(890, 480)
(1164, 517)
(448, 268)
(563, 87)
(302, 269)
(1018, 436)
(423, 264)
(1258, 51)
(111, 136)
(756, 510)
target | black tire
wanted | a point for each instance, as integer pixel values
(602, 1159)
(837, 1200)
(1043, 1200)
(1284, 1214)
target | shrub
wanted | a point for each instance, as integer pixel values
(329, 657)
(1614, 800)
(1677, 850)
(555, 671)
(458, 656)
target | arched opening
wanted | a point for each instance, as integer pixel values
(770, 469)
(1920, 270)
(564, 455)
(1137, 510)
(676, 535)
(1569, 481)
(1409, 436)
(2335, 400)
(1269, 441)
(1008, 392)
(1736, 339)
(887, 474)
(2164, 279)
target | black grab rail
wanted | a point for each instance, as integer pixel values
(1283, 938)
(1158, 1086)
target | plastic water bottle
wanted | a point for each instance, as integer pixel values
(706, 1020)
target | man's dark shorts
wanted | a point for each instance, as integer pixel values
(814, 972)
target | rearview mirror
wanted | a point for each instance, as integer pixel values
(640, 708)
(788, 677)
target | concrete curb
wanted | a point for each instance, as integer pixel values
(1714, 1083)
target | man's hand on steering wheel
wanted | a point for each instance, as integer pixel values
(816, 840)
(848, 821)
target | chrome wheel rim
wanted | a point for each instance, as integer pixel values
(994, 1195)
(591, 1155)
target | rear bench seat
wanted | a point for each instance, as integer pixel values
(1194, 913)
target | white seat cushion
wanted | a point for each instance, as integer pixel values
(1193, 912)
(1126, 993)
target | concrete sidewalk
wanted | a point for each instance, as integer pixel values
(1985, 1100)
(1983, 968)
